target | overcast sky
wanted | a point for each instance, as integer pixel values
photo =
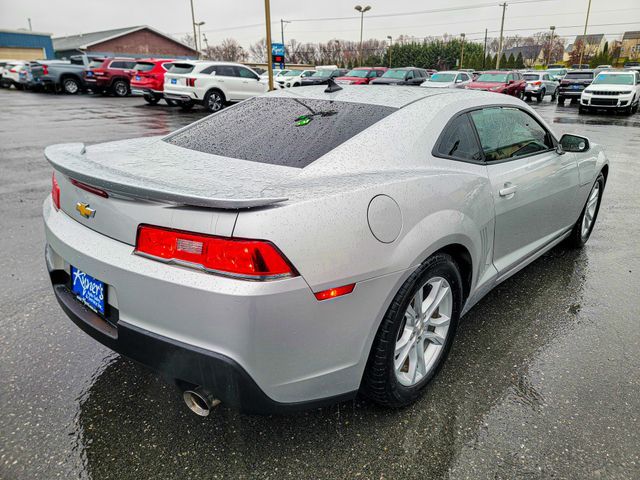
(244, 19)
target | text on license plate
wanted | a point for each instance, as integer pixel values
(88, 290)
(137, 78)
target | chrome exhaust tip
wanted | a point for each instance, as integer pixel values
(200, 401)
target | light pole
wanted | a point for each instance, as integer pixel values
(267, 19)
(462, 52)
(553, 28)
(390, 45)
(584, 37)
(193, 24)
(504, 9)
(362, 10)
(199, 42)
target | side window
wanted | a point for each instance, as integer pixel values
(410, 75)
(209, 70)
(372, 74)
(459, 140)
(510, 77)
(245, 73)
(379, 73)
(225, 71)
(129, 65)
(509, 133)
(545, 77)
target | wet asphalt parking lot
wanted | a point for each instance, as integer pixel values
(543, 380)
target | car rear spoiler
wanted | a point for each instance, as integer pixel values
(71, 160)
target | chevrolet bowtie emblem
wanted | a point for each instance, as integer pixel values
(85, 210)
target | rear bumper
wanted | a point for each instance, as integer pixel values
(570, 93)
(259, 346)
(141, 91)
(181, 97)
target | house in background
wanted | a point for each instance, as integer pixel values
(25, 45)
(531, 54)
(139, 41)
(630, 47)
(593, 44)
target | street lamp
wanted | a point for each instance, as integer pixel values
(362, 10)
(390, 45)
(462, 52)
(199, 42)
(552, 28)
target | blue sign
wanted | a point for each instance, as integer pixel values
(277, 49)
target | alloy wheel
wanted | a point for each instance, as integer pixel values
(423, 332)
(215, 102)
(590, 210)
(70, 86)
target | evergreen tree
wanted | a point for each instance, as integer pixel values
(511, 61)
(519, 61)
(503, 61)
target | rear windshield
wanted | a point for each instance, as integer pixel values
(291, 132)
(579, 76)
(400, 74)
(443, 77)
(492, 77)
(144, 66)
(531, 76)
(95, 63)
(358, 73)
(181, 68)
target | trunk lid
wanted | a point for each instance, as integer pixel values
(149, 181)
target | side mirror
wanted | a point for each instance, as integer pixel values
(574, 143)
(511, 82)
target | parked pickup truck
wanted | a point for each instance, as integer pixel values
(61, 75)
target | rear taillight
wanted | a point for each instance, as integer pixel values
(55, 191)
(191, 82)
(537, 83)
(241, 258)
(12, 70)
(89, 188)
(45, 70)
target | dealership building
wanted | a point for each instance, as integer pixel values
(139, 41)
(25, 45)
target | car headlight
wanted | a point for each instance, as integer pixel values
(588, 92)
(628, 92)
(495, 89)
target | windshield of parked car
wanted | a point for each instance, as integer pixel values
(492, 77)
(579, 76)
(283, 73)
(143, 66)
(531, 76)
(398, 74)
(292, 132)
(323, 73)
(443, 77)
(294, 73)
(609, 79)
(357, 73)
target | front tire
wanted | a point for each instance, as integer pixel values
(151, 99)
(584, 226)
(416, 333)
(185, 106)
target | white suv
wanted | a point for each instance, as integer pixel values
(293, 78)
(613, 89)
(211, 84)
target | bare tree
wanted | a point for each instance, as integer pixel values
(188, 40)
(258, 51)
(229, 51)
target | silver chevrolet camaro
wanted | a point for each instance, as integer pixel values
(312, 243)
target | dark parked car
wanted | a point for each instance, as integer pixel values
(573, 83)
(509, 83)
(65, 75)
(110, 75)
(402, 76)
(321, 77)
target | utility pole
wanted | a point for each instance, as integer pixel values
(504, 9)
(484, 50)
(362, 10)
(199, 42)
(267, 19)
(206, 42)
(193, 23)
(282, 22)
(30, 29)
(390, 45)
(553, 28)
(462, 52)
(584, 36)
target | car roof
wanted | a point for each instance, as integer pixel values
(370, 94)
(451, 71)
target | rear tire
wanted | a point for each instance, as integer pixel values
(70, 86)
(587, 220)
(151, 99)
(185, 105)
(400, 337)
(540, 96)
(120, 88)
(171, 103)
(214, 101)
(554, 96)
(561, 101)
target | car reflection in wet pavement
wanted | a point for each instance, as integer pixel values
(542, 381)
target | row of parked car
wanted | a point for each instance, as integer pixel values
(187, 83)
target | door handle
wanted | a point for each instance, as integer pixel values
(508, 190)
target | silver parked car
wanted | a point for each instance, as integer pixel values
(540, 84)
(448, 79)
(307, 244)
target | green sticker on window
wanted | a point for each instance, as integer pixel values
(303, 120)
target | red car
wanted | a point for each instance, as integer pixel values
(148, 79)
(361, 75)
(110, 75)
(509, 83)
